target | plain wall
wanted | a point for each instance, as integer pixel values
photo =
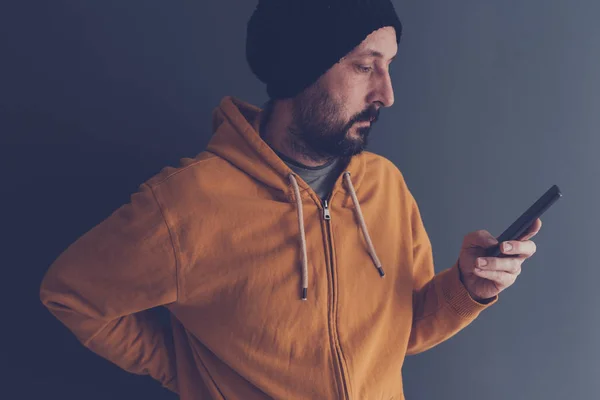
(495, 102)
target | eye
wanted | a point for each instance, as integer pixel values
(363, 68)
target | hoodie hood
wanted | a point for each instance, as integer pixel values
(236, 138)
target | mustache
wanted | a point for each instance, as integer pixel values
(367, 115)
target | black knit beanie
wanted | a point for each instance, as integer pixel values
(291, 43)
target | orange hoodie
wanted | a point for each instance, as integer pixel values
(230, 242)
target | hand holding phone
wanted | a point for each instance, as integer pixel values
(517, 228)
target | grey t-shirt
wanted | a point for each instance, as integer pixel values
(322, 178)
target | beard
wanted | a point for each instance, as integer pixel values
(319, 128)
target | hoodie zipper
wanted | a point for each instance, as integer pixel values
(326, 214)
(333, 314)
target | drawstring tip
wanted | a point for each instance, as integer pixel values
(304, 290)
(381, 273)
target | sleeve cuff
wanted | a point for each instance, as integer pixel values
(456, 295)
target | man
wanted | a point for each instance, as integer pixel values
(294, 264)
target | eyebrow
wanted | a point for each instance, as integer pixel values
(373, 53)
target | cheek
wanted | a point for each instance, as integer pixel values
(348, 93)
(342, 108)
(351, 102)
(356, 97)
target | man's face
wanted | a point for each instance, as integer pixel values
(333, 117)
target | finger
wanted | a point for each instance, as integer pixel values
(480, 238)
(532, 230)
(510, 264)
(501, 278)
(525, 248)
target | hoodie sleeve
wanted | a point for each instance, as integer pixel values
(442, 306)
(103, 286)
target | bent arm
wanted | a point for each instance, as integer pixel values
(103, 286)
(442, 305)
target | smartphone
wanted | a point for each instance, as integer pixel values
(526, 219)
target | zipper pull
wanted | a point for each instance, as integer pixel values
(326, 214)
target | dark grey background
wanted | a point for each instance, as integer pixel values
(495, 102)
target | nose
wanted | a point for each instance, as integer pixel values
(384, 92)
(388, 91)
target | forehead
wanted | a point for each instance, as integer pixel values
(380, 43)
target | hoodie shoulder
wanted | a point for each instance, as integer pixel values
(384, 173)
(186, 165)
(381, 164)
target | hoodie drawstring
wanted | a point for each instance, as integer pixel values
(361, 219)
(302, 237)
(363, 225)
